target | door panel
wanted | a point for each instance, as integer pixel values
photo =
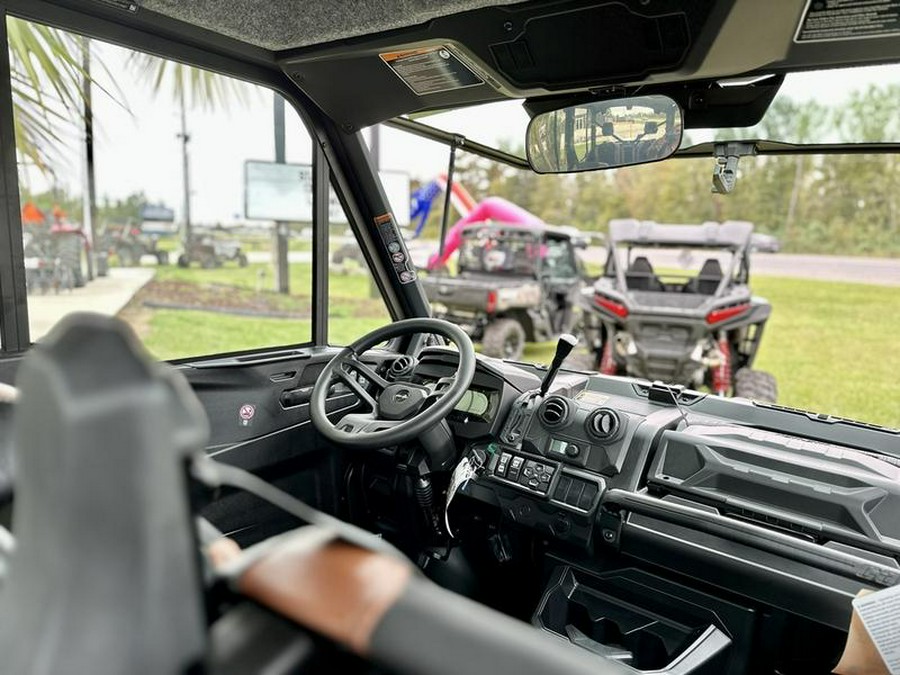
(258, 410)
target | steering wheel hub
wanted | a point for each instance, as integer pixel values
(400, 400)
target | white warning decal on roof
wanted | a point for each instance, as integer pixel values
(429, 70)
(830, 20)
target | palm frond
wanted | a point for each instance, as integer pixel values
(200, 88)
(48, 80)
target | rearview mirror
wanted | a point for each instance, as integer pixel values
(604, 134)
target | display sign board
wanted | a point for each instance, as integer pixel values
(283, 192)
(157, 213)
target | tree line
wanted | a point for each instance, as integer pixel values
(829, 204)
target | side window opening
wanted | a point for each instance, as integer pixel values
(133, 186)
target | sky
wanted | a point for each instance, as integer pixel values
(137, 146)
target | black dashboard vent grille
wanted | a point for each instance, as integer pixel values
(554, 412)
(603, 424)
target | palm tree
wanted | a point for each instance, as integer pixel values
(192, 86)
(48, 85)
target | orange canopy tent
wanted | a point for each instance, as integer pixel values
(32, 215)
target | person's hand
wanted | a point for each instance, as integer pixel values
(8, 393)
(222, 551)
(860, 655)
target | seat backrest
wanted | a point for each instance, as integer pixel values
(105, 576)
(710, 277)
(640, 276)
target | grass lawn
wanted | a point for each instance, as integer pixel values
(832, 346)
(174, 333)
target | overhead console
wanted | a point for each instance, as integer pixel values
(512, 54)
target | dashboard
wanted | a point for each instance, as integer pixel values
(782, 507)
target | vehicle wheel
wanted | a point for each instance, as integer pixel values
(162, 257)
(183, 261)
(503, 338)
(756, 385)
(242, 260)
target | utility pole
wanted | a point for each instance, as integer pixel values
(375, 147)
(282, 271)
(90, 193)
(185, 138)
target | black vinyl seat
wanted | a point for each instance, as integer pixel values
(707, 280)
(105, 578)
(640, 276)
(105, 575)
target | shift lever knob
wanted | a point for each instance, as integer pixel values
(564, 347)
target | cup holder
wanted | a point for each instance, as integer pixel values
(627, 617)
(639, 647)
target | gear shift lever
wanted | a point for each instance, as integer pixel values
(563, 348)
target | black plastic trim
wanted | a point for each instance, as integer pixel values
(321, 186)
(14, 329)
(463, 143)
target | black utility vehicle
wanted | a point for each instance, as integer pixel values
(409, 507)
(515, 284)
(211, 252)
(130, 244)
(674, 304)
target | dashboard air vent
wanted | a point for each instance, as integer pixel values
(554, 412)
(603, 424)
(401, 366)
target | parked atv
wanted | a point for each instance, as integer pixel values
(210, 253)
(56, 257)
(515, 283)
(130, 244)
(674, 304)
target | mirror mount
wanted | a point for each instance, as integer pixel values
(728, 155)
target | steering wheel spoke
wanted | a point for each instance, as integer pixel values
(356, 387)
(354, 364)
(365, 423)
(439, 388)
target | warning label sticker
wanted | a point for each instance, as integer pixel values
(396, 247)
(830, 20)
(429, 70)
(591, 397)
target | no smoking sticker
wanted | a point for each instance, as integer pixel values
(246, 414)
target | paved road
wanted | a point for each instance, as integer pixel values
(104, 295)
(880, 271)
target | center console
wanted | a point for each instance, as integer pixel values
(671, 518)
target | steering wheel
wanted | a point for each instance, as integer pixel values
(398, 411)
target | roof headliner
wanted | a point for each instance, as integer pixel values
(285, 24)
(547, 52)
